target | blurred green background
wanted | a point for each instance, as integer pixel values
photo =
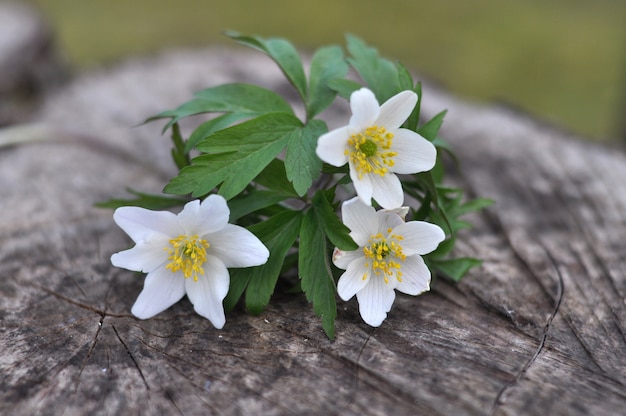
(564, 61)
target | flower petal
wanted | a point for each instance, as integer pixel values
(414, 153)
(207, 217)
(387, 190)
(365, 110)
(342, 259)
(144, 257)
(388, 220)
(237, 247)
(161, 289)
(396, 110)
(375, 301)
(354, 279)
(331, 146)
(360, 218)
(208, 292)
(415, 276)
(420, 237)
(362, 186)
(140, 223)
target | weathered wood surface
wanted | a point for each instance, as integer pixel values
(538, 329)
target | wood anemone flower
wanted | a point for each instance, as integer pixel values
(376, 147)
(188, 253)
(389, 258)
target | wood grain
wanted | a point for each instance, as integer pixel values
(538, 329)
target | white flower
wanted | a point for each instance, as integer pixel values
(388, 258)
(375, 147)
(186, 253)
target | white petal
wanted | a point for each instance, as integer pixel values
(375, 301)
(401, 211)
(360, 218)
(331, 146)
(208, 292)
(415, 276)
(415, 153)
(362, 186)
(237, 247)
(161, 289)
(419, 237)
(388, 220)
(141, 223)
(144, 257)
(352, 281)
(342, 259)
(387, 190)
(396, 110)
(365, 110)
(207, 217)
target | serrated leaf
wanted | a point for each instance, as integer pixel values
(274, 177)
(180, 157)
(335, 230)
(236, 155)
(254, 201)
(207, 128)
(344, 87)
(380, 74)
(283, 53)
(455, 268)
(278, 233)
(405, 80)
(328, 63)
(245, 99)
(144, 200)
(314, 270)
(301, 162)
(413, 119)
(430, 129)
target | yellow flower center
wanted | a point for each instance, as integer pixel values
(386, 255)
(187, 253)
(368, 151)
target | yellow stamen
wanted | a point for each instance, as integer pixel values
(386, 254)
(369, 152)
(187, 253)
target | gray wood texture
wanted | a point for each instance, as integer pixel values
(538, 329)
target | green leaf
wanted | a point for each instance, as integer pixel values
(301, 162)
(207, 128)
(283, 53)
(380, 74)
(415, 114)
(430, 129)
(328, 63)
(239, 279)
(181, 159)
(405, 80)
(148, 201)
(344, 87)
(314, 270)
(335, 230)
(236, 155)
(455, 268)
(274, 177)
(254, 201)
(245, 99)
(278, 233)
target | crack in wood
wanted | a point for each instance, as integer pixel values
(132, 357)
(86, 359)
(559, 297)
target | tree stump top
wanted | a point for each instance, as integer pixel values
(538, 329)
